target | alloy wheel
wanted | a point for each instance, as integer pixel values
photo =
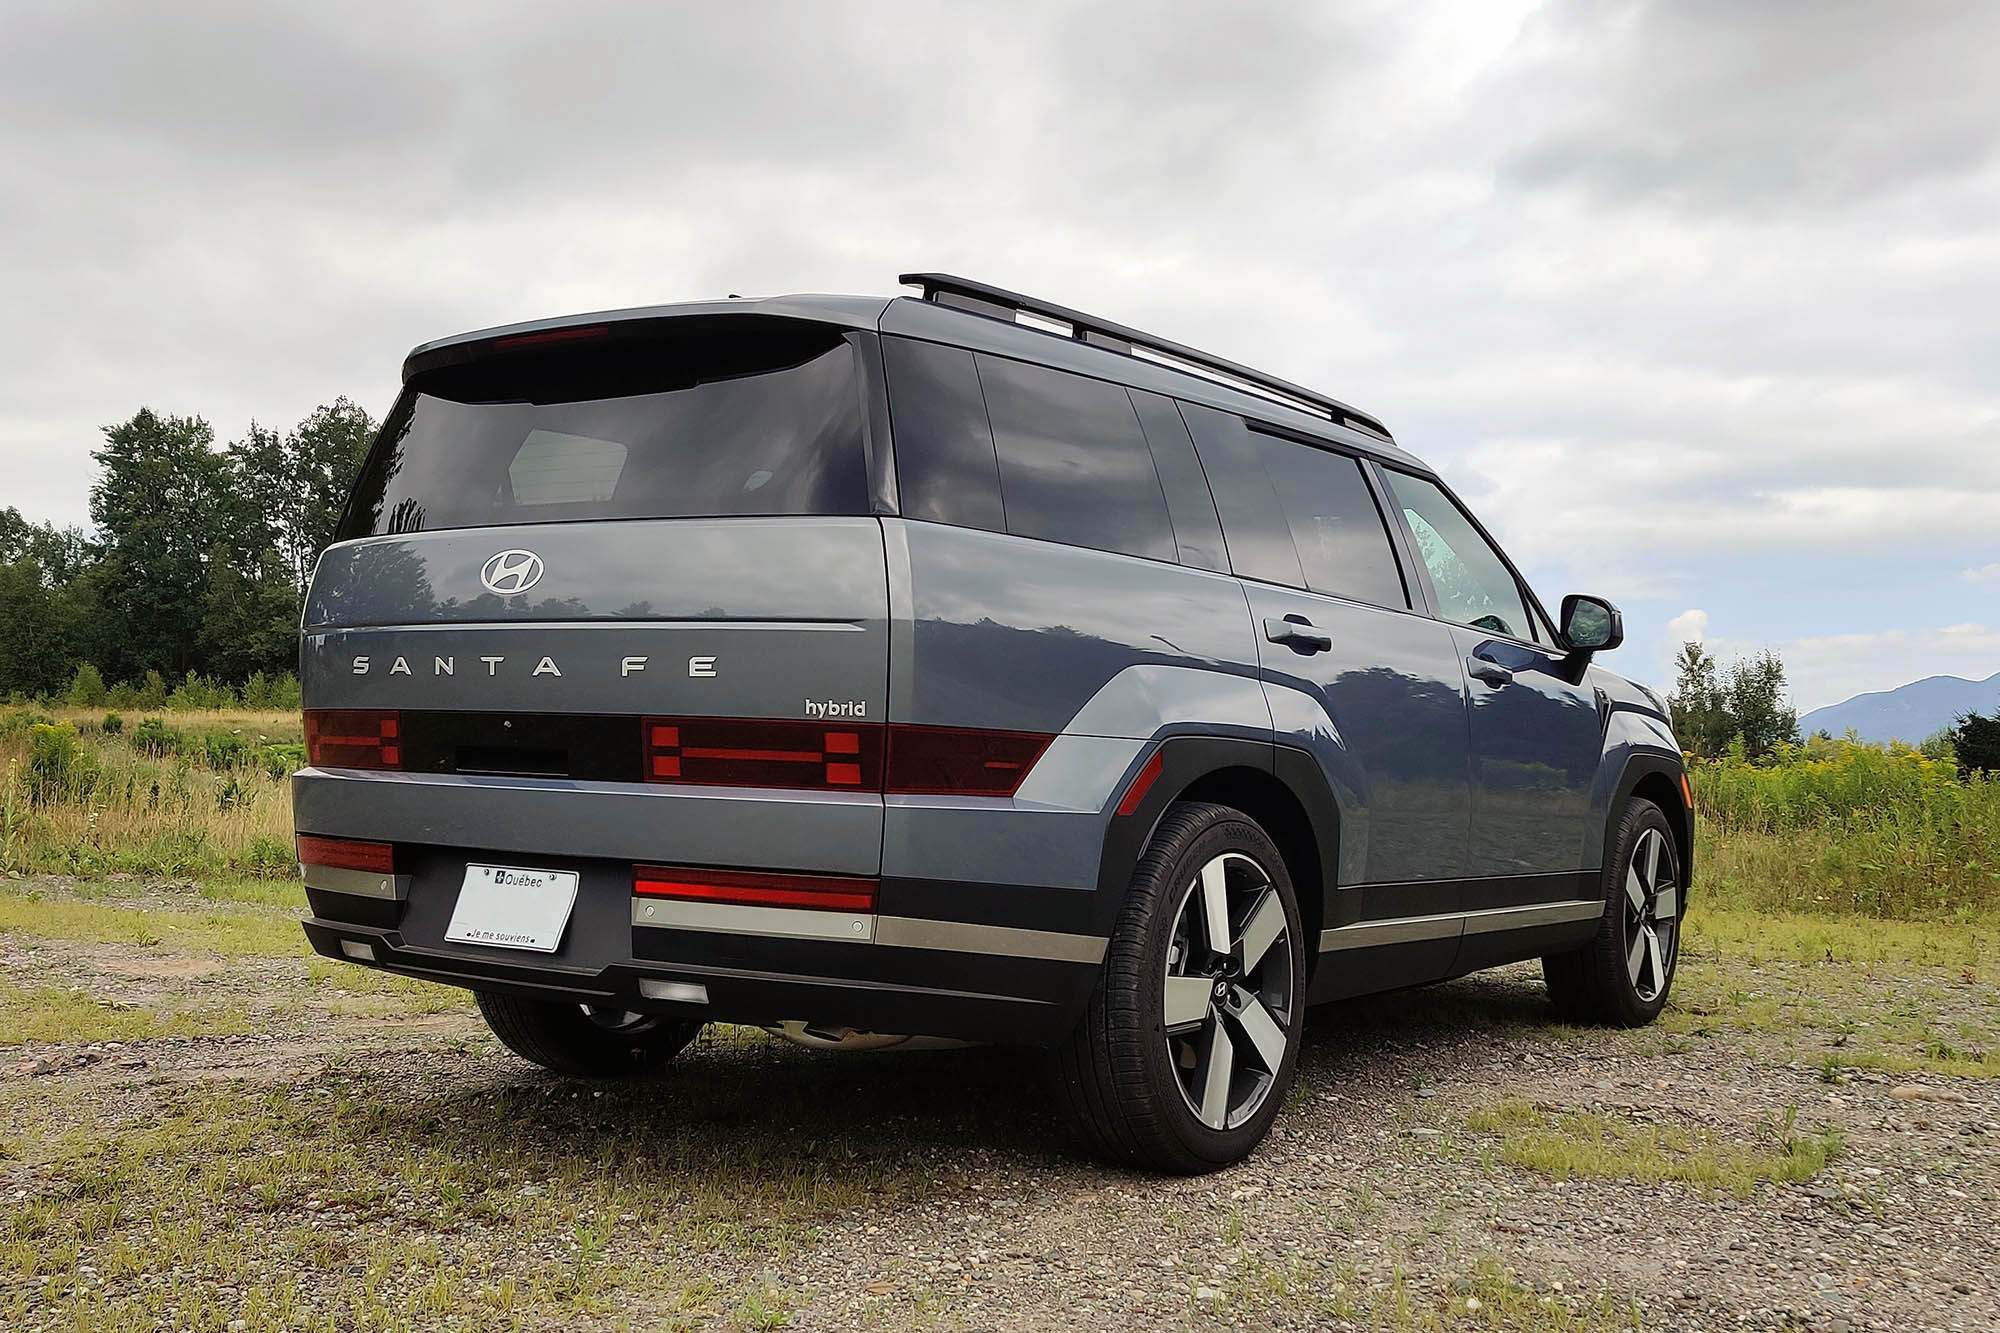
(1229, 990)
(1652, 915)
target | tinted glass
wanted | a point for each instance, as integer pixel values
(730, 418)
(1197, 533)
(945, 469)
(1260, 541)
(1473, 584)
(1074, 466)
(1342, 544)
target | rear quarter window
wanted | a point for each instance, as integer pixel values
(1074, 466)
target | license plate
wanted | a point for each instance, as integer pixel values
(511, 908)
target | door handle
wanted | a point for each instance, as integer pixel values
(1297, 633)
(1492, 673)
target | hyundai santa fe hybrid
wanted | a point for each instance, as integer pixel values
(954, 666)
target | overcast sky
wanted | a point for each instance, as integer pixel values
(1697, 303)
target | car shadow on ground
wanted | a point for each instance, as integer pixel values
(756, 1110)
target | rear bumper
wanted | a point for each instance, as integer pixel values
(899, 973)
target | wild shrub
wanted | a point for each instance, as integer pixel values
(223, 749)
(86, 688)
(280, 760)
(152, 692)
(59, 767)
(199, 692)
(113, 724)
(155, 738)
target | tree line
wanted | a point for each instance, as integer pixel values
(1742, 710)
(196, 560)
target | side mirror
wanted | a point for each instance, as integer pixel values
(1591, 624)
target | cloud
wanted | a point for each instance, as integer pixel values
(1825, 669)
(1646, 281)
(1988, 573)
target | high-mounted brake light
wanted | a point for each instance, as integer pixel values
(353, 738)
(729, 752)
(552, 336)
(377, 858)
(746, 888)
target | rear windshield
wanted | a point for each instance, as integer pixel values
(704, 418)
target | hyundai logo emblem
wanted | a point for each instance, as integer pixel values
(511, 572)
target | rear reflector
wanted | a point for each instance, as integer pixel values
(727, 752)
(681, 992)
(1143, 783)
(959, 761)
(353, 738)
(377, 858)
(755, 888)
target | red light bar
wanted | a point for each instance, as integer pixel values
(961, 761)
(347, 854)
(353, 738)
(732, 752)
(552, 336)
(755, 888)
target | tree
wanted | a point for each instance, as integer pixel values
(161, 507)
(1755, 701)
(1976, 742)
(1701, 722)
(297, 483)
(1713, 709)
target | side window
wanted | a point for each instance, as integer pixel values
(945, 467)
(1473, 584)
(1343, 545)
(1074, 466)
(1197, 532)
(1253, 521)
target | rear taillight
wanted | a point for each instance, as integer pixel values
(727, 752)
(353, 738)
(959, 761)
(378, 858)
(839, 756)
(746, 888)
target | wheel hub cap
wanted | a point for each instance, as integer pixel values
(1229, 990)
(1653, 906)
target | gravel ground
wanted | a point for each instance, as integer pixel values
(1380, 1200)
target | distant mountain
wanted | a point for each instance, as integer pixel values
(1908, 712)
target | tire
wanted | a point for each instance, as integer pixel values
(1146, 1091)
(573, 1040)
(1622, 976)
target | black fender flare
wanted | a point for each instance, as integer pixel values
(1185, 760)
(1639, 767)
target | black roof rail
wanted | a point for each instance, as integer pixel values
(982, 298)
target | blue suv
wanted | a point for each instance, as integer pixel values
(954, 666)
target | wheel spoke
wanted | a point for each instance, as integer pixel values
(1187, 1000)
(1215, 904)
(1667, 905)
(1635, 954)
(1265, 924)
(1635, 892)
(1218, 1065)
(1653, 957)
(1266, 1038)
(1651, 848)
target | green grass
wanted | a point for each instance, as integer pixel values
(52, 1014)
(1568, 1144)
(225, 930)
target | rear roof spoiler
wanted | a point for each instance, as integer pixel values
(999, 303)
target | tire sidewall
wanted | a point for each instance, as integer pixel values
(1231, 832)
(1640, 815)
